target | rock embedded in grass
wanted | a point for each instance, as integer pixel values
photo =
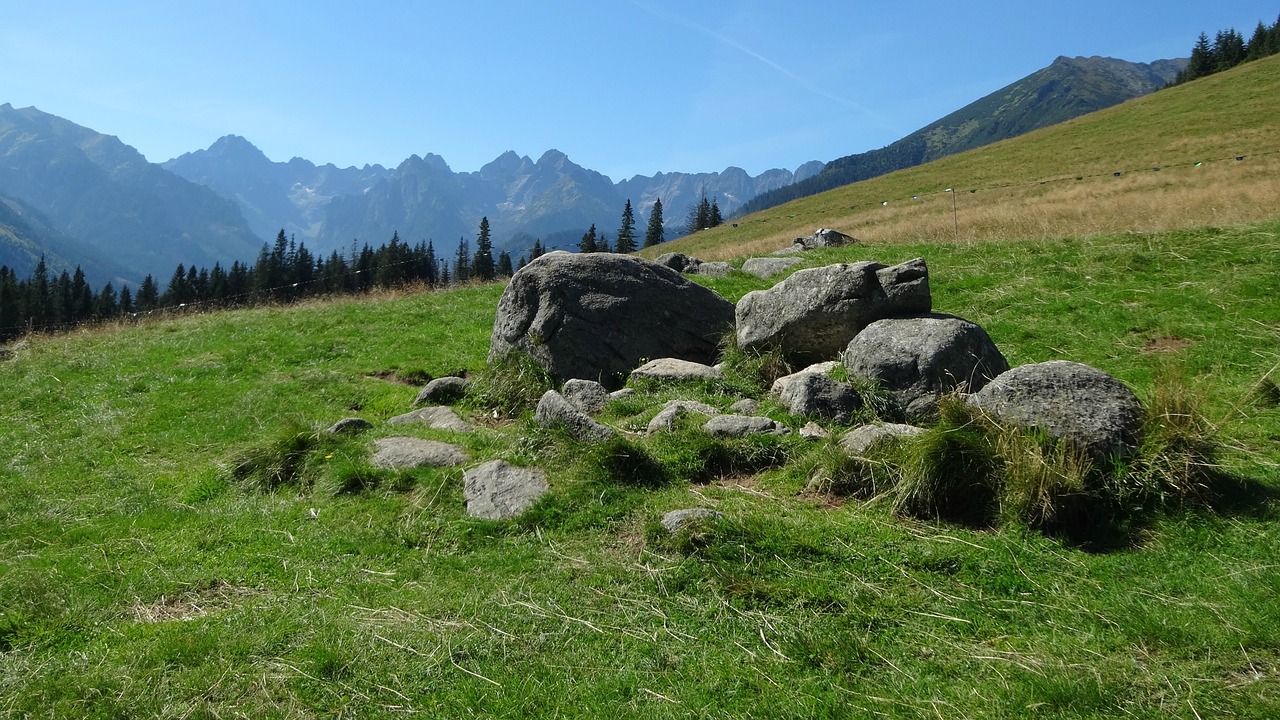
(919, 359)
(597, 316)
(672, 409)
(812, 315)
(588, 396)
(765, 267)
(743, 426)
(867, 437)
(401, 453)
(677, 520)
(436, 417)
(1069, 401)
(817, 395)
(443, 391)
(676, 370)
(497, 490)
(349, 426)
(554, 411)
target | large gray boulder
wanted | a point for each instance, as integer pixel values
(817, 395)
(554, 411)
(443, 391)
(919, 359)
(813, 314)
(596, 316)
(497, 490)
(1069, 401)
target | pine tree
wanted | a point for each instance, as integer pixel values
(483, 265)
(716, 218)
(148, 294)
(537, 251)
(126, 300)
(627, 233)
(504, 265)
(462, 262)
(1201, 63)
(1257, 47)
(654, 233)
(588, 243)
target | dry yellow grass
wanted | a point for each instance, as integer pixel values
(1060, 181)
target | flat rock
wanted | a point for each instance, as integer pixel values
(675, 370)
(672, 409)
(597, 316)
(349, 426)
(814, 431)
(812, 315)
(443, 391)
(861, 439)
(743, 426)
(764, 267)
(823, 368)
(401, 453)
(435, 417)
(713, 269)
(497, 490)
(554, 411)
(745, 406)
(678, 520)
(1069, 401)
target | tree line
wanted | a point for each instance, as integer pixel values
(284, 272)
(1229, 49)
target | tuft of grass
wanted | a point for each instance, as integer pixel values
(283, 462)
(829, 469)
(754, 370)
(1178, 459)
(951, 472)
(511, 385)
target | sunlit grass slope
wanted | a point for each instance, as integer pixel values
(140, 578)
(1061, 181)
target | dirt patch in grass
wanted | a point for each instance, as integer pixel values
(197, 602)
(1165, 344)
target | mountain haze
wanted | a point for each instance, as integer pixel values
(1068, 88)
(103, 193)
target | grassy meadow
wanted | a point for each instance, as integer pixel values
(178, 540)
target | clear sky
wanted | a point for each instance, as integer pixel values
(624, 87)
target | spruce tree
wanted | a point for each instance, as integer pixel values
(483, 266)
(504, 264)
(716, 217)
(654, 234)
(627, 233)
(588, 243)
(462, 262)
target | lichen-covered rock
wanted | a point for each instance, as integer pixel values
(555, 412)
(919, 359)
(764, 267)
(597, 316)
(676, 370)
(817, 395)
(672, 409)
(738, 426)
(443, 391)
(813, 314)
(1069, 401)
(349, 426)
(436, 417)
(861, 439)
(823, 368)
(677, 520)
(588, 396)
(497, 490)
(712, 269)
(401, 453)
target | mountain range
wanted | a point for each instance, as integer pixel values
(76, 197)
(1069, 87)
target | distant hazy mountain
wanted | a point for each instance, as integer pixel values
(293, 196)
(423, 198)
(103, 193)
(1068, 88)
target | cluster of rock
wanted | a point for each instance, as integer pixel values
(596, 322)
(874, 320)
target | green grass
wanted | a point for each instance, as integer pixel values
(141, 575)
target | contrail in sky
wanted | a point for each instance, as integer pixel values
(807, 85)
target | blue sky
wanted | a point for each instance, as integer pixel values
(624, 87)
